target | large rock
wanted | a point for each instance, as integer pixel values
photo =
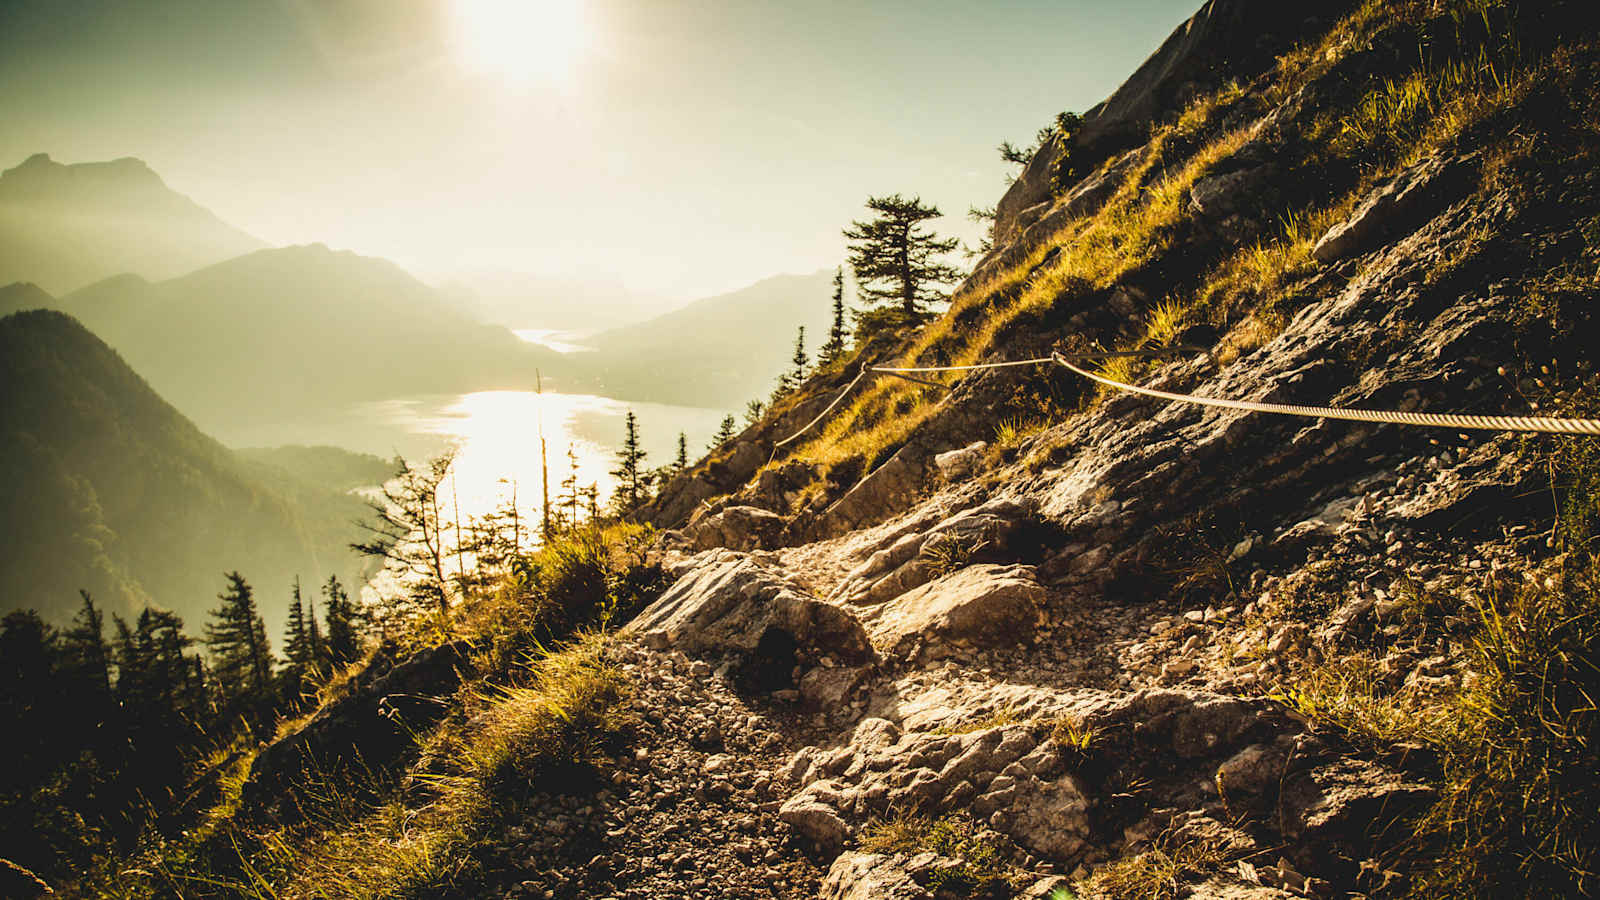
(816, 820)
(1393, 207)
(870, 876)
(903, 561)
(731, 601)
(883, 491)
(1052, 821)
(978, 606)
(737, 528)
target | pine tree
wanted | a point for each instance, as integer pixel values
(343, 644)
(895, 259)
(681, 461)
(632, 478)
(591, 496)
(319, 648)
(85, 652)
(298, 650)
(753, 411)
(833, 349)
(237, 639)
(408, 532)
(569, 487)
(725, 432)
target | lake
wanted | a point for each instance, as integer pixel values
(496, 436)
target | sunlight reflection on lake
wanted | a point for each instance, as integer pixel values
(496, 435)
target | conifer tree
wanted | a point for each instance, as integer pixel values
(681, 461)
(632, 479)
(343, 644)
(725, 432)
(896, 259)
(408, 533)
(319, 649)
(832, 349)
(237, 639)
(569, 488)
(753, 411)
(591, 496)
(298, 650)
(85, 652)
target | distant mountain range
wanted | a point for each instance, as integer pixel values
(521, 300)
(109, 488)
(281, 332)
(65, 226)
(718, 352)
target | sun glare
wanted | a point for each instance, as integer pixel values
(521, 41)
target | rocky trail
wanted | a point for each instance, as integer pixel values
(1018, 636)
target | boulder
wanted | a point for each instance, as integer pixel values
(978, 606)
(730, 601)
(737, 528)
(1218, 196)
(870, 876)
(1393, 207)
(874, 497)
(815, 820)
(955, 465)
(1052, 821)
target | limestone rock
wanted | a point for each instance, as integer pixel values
(730, 601)
(1402, 201)
(955, 465)
(977, 606)
(870, 876)
(816, 820)
(737, 528)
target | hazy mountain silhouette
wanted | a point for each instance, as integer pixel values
(21, 295)
(285, 331)
(110, 489)
(717, 352)
(65, 226)
(520, 300)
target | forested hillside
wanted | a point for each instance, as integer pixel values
(112, 490)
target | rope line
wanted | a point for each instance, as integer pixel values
(1545, 424)
(824, 414)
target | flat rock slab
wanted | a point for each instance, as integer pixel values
(978, 606)
(730, 601)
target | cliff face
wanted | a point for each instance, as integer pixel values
(1022, 634)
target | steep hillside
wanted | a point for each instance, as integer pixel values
(717, 352)
(110, 489)
(283, 331)
(64, 226)
(1028, 634)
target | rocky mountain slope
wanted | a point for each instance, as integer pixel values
(65, 226)
(1020, 635)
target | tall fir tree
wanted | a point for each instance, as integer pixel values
(896, 259)
(725, 432)
(632, 479)
(344, 641)
(681, 461)
(298, 651)
(832, 350)
(85, 652)
(753, 411)
(237, 639)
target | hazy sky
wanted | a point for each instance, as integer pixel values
(682, 147)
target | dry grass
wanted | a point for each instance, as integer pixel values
(982, 853)
(1160, 873)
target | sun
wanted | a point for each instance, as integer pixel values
(521, 41)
